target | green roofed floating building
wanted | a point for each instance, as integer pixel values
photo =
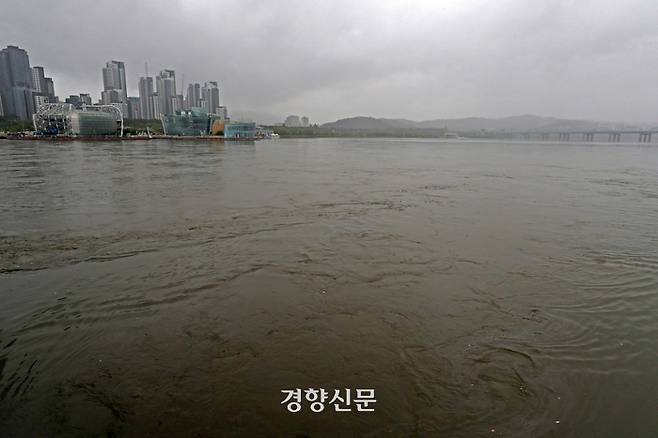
(197, 122)
(65, 120)
(193, 122)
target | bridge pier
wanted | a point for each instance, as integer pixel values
(614, 136)
(645, 137)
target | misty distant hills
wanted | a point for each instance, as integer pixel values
(523, 123)
(370, 124)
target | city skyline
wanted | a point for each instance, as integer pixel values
(24, 88)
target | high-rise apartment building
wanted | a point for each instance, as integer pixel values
(155, 102)
(193, 98)
(44, 89)
(211, 96)
(165, 84)
(115, 90)
(177, 103)
(50, 88)
(146, 98)
(114, 79)
(16, 87)
(39, 79)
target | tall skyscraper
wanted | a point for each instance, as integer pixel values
(39, 79)
(155, 101)
(114, 78)
(44, 89)
(146, 98)
(177, 103)
(193, 97)
(197, 94)
(211, 96)
(165, 84)
(187, 104)
(50, 88)
(16, 87)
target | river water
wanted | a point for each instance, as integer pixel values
(480, 288)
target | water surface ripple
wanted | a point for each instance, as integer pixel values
(482, 288)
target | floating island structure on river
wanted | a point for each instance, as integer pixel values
(63, 120)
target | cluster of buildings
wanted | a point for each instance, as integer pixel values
(157, 96)
(27, 94)
(23, 89)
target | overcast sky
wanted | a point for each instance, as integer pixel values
(332, 59)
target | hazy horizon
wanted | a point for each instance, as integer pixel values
(415, 60)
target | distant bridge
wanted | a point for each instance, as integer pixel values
(611, 135)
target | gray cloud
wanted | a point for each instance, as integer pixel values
(331, 59)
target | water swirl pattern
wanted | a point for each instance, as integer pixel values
(481, 288)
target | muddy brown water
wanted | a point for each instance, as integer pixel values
(165, 288)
